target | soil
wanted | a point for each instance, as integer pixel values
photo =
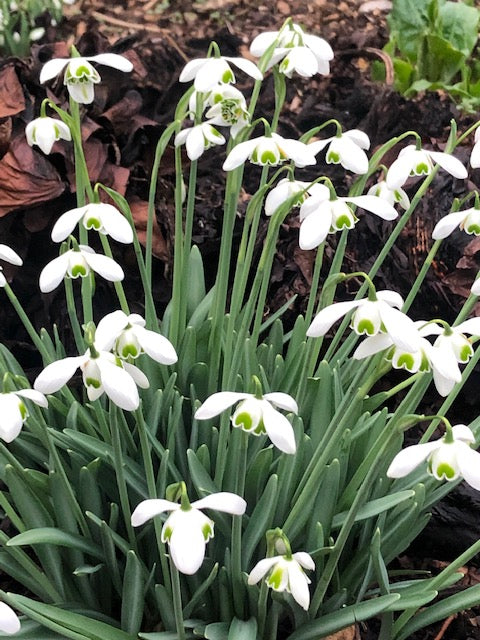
(123, 126)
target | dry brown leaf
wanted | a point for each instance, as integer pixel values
(139, 210)
(12, 100)
(350, 633)
(26, 178)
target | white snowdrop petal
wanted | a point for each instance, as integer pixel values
(261, 43)
(119, 385)
(66, 223)
(105, 266)
(374, 204)
(53, 273)
(9, 621)
(282, 400)
(113, 60)
(191, 69)
(115, 224)
(34, 396)
(399, 171)
(329, 315)
(222, 501)
(261, 569)
(9, 255)
(187, 543)
(52, 68)
(137, 374)
(83, 93)
(109, 328)
(56, 374)
(409, 458)
(218, 402)
(475, 156)
(469, 463)
(148, 509)
(156, 346)
(304, 559)
(239, 154)
(449, 163)
(319, 46)
(298, 585)
(400, 327)
(314, 228)
(372, 345)
(462, 432)
(470, 326)
(247, 66)
(11, 421)
(392, 298)
(194, 143)
(447, 224)
(279, 429)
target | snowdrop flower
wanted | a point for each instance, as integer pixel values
(9, 621)
(298, 51)
(44, 131)
(371, 317)
(448, 458)
(228, 108)
(198, 138)
(187, 529)
(13, 413)
(80, 76)
(475, 156)
(255, 415)
(346, 149)
(78, 263)
(102, 217)
(10, 256)
(101, 372)
(467, 220)
(269, 150)
(128, 338)
(208, 72)
(475, 290)
(287, 189)
(392, 196)
(286, 573)
(417, 162)
(320, 216)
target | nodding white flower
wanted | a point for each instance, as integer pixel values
(80, 76)
(14, 412)
(475, 156)
(371, 317)
(9, 621)
(475, 290)
(228, 108)
(298, 51)
(102, 217)
(447, 459)
(392, 196)
(10, 256)
(187, 529)
(199, 138)
(287, 188)
(420, 162)
(286, 573)
(208, 72)
(44, 131)
(128, 338)
(346, 149)
(255, 415)
(320, 216)
(467, 220)
(101, 372)
(78, 263)
(269, 150)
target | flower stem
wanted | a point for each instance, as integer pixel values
(177, 601)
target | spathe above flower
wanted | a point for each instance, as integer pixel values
(127, 336)
(371, 317)
(269, 150)
(255, 415)
(346, 149)
(76, 263)
(10, 256)
(14, 412)
(208, 72)
(100, 216)
(187, 529)
(412, 161)
(80, 76)
(448, 458)
(44, 131)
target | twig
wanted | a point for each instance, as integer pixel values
(445, 626)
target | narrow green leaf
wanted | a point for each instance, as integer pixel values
(53, 536)
(133, 595)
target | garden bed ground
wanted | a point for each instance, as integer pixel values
(123, 126)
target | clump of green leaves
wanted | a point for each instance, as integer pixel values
(19, 23)
(433, 45)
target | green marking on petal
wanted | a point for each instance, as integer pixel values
(167, 534)
(93, 382)
(274, 580)
(228, 76)
(243, 421)
(466, 352)
(333, 157)
(259, 429)
(23, 411)
(268, 157)
(207, 531)
(405, 361)
(93, 223)
(473, 228)
(130, 350)
(365, 326)
(420, 169)
(78, 270)
(343, 222)
(444, 470)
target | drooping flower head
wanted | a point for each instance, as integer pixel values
(296, 51)
(449, 458)
(44, 131)
(255, 414)
(392, 196)
(101, 217)
(468, 220)
(14, 411)
(208, 72)
(80, 76)
(187, 529)
(269, 150)
(412, 161)
(287, 189)
(285, 572)
(199, 138)
(9, 621)
(345, 148)
(128, 338)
